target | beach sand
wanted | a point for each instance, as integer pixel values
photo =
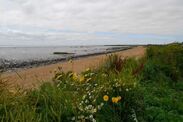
(33, 77)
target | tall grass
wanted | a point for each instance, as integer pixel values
(162, 81)
(120, 90)
(165, 60)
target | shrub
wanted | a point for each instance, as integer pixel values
(162, 83)
(164, 60)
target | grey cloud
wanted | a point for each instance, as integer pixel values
(124, 16)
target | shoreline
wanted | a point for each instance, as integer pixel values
(33, 63)
(33, 77)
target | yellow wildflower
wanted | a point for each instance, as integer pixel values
(81, 78)
(116, 99)
(105, 98)
(75, 76)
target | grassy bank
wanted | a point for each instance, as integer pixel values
(130, 90)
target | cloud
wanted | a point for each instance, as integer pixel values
(161, 17)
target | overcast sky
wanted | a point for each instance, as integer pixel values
(91, 21)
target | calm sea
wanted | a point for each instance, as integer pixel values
(14, 55)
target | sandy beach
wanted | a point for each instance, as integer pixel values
(32, 77)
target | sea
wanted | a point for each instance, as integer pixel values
(20, 56)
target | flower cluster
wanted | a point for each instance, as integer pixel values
(114, 99)
(79, 78)
(97, 92)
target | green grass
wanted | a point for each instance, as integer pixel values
(149, 89)
(162, 81)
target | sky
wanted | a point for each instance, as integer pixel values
(70, 22)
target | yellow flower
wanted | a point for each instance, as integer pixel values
(81, 78)
(116, 99)
(106, 98)
(75, 76)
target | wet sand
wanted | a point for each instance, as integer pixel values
(33, 77)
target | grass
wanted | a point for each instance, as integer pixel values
(120, 90)
(162, 81)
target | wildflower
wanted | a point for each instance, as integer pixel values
(102, 104)
(82, 79)
(99, 107)
(116, 99)
(80, 104)
(91, 116)
(105, 98)
(75, 76)
(84, 96)
(86, 101)
(94, 110)
(73, 118)
(93, 120)
(90, 106)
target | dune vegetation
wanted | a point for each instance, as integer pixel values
(148, 89)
